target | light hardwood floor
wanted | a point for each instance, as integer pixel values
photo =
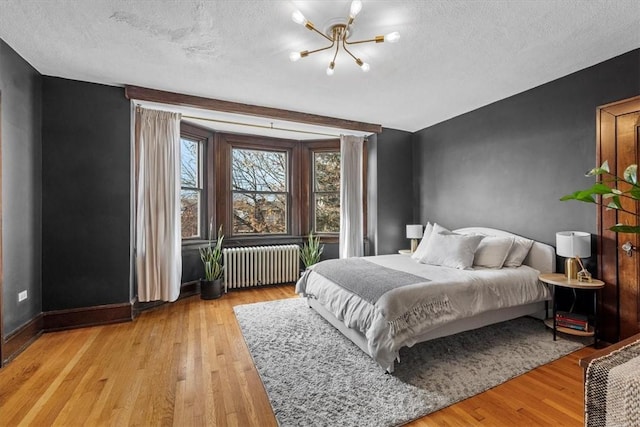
(186, 364)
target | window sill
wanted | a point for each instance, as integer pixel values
(231, 242)
(196, 243)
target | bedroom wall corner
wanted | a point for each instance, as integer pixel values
(86, 195)
(393, 190)
(21, 87)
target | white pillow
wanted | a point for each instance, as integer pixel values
(451, 250)
(420, 250)
(518, 252)
(493, 251)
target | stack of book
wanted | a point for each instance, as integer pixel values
(575, 321)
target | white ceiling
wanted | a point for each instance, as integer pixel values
(453, 56)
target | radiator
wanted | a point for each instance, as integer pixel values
(260, 265)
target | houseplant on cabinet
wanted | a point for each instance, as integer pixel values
(211, 256)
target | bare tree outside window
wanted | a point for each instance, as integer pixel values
(326, 192)
(260, 191)
(190, 188)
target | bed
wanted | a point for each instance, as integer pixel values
(395, 301)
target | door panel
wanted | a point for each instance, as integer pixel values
(618, 143)
(608, 240)
(627, 265)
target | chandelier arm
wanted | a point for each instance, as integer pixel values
(350, 20)
(377, 39)
(335, 55)
(347, 50)
(312, 28)
(309, 52)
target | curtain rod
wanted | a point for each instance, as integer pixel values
(272, 127)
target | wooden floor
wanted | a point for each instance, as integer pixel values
(187, 364)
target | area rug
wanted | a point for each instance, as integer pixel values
(314, 376)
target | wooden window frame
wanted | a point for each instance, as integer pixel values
(207, 206)
(309, 148)
(217, 189)
(226, 142)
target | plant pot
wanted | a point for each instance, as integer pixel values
(210, 289)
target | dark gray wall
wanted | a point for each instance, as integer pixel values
(393, 188)
(20, 85)
(507, 164)
(86, 194)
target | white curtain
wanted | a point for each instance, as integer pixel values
(351, 215)
(158, 234)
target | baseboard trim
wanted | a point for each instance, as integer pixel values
(59, 320)
(19, 340)
(187, 289)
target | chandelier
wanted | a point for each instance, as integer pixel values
(337, 34)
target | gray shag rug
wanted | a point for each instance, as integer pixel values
(314, 376)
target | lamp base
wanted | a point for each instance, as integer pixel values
(571, 268)
(414, 245)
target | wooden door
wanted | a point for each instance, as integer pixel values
(618, 141)
(1, 272)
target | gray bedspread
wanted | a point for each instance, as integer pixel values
(368, 280)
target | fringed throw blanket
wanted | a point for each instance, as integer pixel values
(612, 395)
(371, 281)
(368, 280)
(417, 315)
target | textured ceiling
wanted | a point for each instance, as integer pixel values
(453, 56)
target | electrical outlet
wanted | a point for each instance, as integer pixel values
(22, 296)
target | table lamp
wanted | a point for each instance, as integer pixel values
(414, 232)
(573, 245)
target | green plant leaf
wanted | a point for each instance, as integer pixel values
(582, 196)
(211, 257)
(604, 168)
(630, 174)
(587, 195)
(311, 251)
(600, 188)
(619, 228)
(614, 202)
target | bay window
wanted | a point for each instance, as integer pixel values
(259, 189)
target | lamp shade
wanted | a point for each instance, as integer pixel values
(573, 243)
(414, 231)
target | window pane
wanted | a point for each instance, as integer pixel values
(189, 163)
(327, 213)
(259, 213)
(326, 171)
(255, 170)
(190, 213)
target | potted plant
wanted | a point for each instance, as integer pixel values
(611, 195)
(211, 256)
(311, 251)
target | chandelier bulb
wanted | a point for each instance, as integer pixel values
(330, 68)
(365, 67)
(298, 18)
(392, 37)
(356, 7)
(294, 56)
